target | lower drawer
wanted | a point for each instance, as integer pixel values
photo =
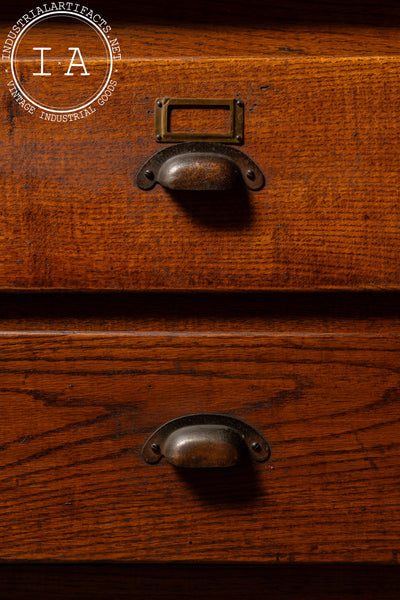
(76, 410)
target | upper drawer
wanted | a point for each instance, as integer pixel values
(324, 130)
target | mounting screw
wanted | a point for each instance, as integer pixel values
(158, 137)
(256, 447)
(239, 138)
(159, 103)
(149, 174)
(239, 102)
(156, 448)
(251, 175)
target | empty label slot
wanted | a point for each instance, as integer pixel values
(199, 119)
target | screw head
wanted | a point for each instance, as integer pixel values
(159, 103)
(256, 447)
(156, 448)
(251, 175)
(239, 102)
(158, 137)
(149, 174)
(239, 138)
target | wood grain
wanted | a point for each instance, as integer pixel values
(200, 582)
(77, 408)
(324, 131)
(167, 38)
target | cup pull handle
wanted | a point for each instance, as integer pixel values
(200, 166)
(205, 441)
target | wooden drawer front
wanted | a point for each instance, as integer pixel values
(323, 130)
(77, 408)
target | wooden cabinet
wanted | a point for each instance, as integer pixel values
(122, 309)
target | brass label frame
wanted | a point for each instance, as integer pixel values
(236, 120)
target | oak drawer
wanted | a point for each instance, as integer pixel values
(321, 122)
(77, 408)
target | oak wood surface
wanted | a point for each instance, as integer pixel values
(167, 38)
(323, 130)
(77, 408)
(320, 377)
(200, 582)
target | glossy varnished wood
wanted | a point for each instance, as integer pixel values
(77, 408)
(323, 130)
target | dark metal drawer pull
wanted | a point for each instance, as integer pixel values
(197, 166)
(205, 441)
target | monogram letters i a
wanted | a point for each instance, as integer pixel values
(76, 53)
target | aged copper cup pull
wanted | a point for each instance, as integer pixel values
(205, 441)
(197, 166)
